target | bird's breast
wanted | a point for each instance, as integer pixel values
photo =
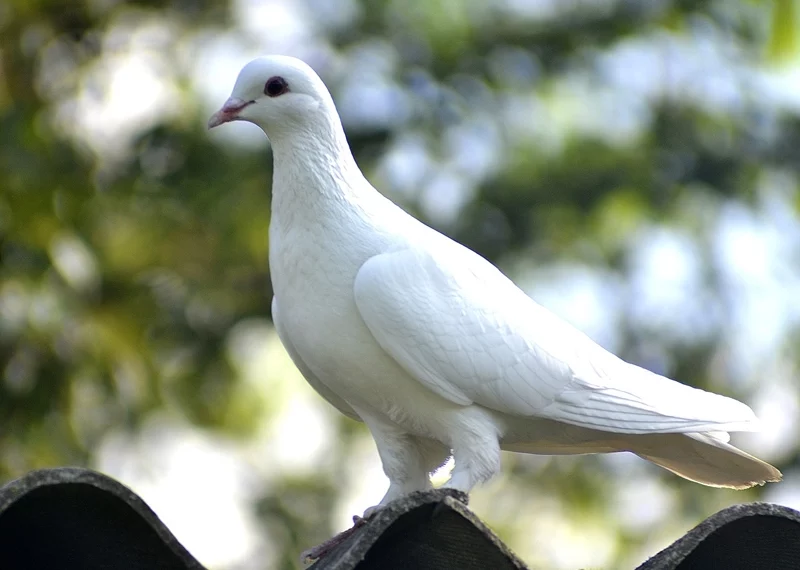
(312, 278)
(313, 266)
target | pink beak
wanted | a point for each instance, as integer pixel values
(229, 112)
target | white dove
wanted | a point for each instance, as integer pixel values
(429, 344)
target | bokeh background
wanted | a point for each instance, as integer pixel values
(632, 164)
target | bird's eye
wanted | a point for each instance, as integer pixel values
(275, 86)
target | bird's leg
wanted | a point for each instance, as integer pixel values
(407, 460)
(476, 456)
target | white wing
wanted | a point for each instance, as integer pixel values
(464, 330)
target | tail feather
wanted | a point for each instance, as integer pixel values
(705, 458)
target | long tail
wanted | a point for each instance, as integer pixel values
(705, 458)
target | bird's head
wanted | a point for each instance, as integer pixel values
(275, 92)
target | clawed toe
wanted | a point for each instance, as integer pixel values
(369, 513)
(322, 550)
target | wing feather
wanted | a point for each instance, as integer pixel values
(464, 330)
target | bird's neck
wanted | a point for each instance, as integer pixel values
(313, 166)
(317, 188)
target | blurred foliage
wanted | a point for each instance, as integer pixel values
(126, 261)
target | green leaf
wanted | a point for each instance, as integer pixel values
(783, 39)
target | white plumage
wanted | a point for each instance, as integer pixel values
(429, 344)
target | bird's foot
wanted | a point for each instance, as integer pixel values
(370, 512)
(322, 550)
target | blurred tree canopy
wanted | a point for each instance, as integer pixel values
(631, 164)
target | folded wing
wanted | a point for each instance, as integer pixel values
(464, 330)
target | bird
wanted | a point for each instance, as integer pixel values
(429, 344)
